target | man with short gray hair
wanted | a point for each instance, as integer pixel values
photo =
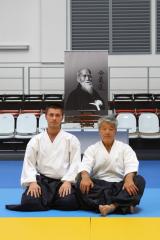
(108, 173)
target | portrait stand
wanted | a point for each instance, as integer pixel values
(85, 118)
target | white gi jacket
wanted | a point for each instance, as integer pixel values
(109, 166)
(58, 159)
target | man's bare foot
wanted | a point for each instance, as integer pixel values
(106, 209)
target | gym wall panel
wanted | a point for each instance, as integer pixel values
(20, 25)
(46, 79)
(53, 30)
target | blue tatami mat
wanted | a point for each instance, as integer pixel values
(149, 206)
(150, 170)
(10, 193)
(13, 196)
(10, 172)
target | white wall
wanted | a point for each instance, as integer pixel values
(44, 26)
(41, 24)
(53, 30)
(20, 24)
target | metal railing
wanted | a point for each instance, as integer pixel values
(12, 80)
(50, 79)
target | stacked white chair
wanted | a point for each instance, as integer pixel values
(148, 125)
(26, 126)
(128, 121)
(42, 123)
(7, 126)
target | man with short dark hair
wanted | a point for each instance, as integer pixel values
(108, 173)
(50, 167)
(84, 97)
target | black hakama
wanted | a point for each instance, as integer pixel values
(49, 198)
(105, 192)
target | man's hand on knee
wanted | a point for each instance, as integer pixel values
(34, 190)
(129, 184)
(86, 183)
(65, 189)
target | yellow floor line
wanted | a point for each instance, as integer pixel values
(80, 228)
(125, 228)
(44, 228)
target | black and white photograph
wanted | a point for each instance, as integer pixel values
(86, 81)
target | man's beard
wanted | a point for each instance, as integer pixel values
(87, 87)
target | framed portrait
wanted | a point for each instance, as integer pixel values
(86, 82)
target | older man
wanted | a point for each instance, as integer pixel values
(108, 173)
(50, 167)
(84, 97)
